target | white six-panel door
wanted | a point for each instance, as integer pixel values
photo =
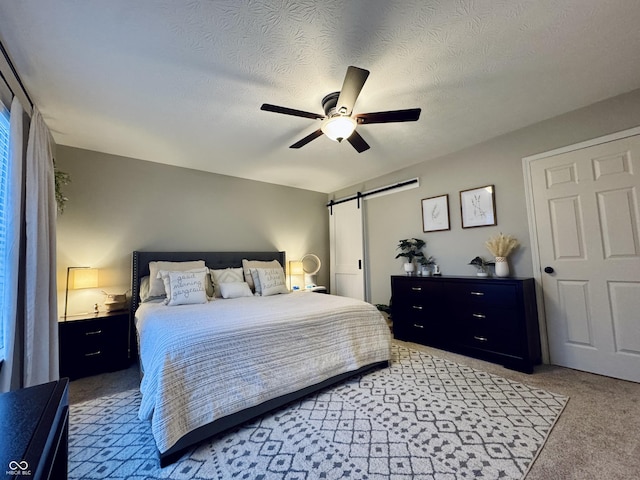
(587, 224)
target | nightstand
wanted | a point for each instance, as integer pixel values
(93, 343)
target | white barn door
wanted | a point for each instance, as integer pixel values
(587, 224)
(346, 239)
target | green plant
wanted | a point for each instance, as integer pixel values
(481, 264)
(411, 248)
(426, 261)
(60, 179)
(383, 308)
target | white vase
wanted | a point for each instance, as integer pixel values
(409, 267)
(502, 267)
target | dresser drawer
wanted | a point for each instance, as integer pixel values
(489, 328)
(479, 293)
(412, 289)
(410, 330)
(430, 330)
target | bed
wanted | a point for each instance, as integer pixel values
(211, 366)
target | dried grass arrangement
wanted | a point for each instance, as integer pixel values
(502, 245)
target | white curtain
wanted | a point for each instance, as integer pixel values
(11, 372)
(40, 312)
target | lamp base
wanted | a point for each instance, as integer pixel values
(309, 280)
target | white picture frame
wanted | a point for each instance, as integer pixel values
(478, 207)
(435, 213)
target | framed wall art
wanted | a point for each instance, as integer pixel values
(478, 207)
(435, 213)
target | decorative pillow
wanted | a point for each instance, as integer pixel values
(225, 275)
(272, 281)
(144, 289)
(235, 290)
(247, 265)
(209, 284)
(166, 279)
(256, 281)
(156, 285)
(186, 287)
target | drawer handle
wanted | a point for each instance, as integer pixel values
(416, 289)
(417, 325)
(479, 315)
(416, 307)
(478, 294)
(93, 354)
(481, 339)
(96, 332)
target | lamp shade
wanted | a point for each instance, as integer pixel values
(295, 268)
(84, 278)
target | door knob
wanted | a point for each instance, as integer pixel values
(548, 270)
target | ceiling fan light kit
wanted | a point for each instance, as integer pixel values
(338, 128)
(338, 122)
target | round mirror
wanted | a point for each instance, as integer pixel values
(310, 265)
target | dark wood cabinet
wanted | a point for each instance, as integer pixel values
(93, 344)
(494, 319)
(34, 423)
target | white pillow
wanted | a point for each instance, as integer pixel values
(186, 287)
(272, 281)
(144, 291)
(225, 275)
(235, 290)
(247, 265)
(156, 285)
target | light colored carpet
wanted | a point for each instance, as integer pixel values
(422, 418)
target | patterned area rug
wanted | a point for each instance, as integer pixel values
(421, 418)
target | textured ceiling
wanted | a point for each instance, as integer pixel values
(181, 82)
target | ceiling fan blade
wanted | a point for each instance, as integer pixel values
(307, 139)
(353, 83)
(358, 142)
(290, 111)
(409, 115)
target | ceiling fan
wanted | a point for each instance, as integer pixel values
(338, 123)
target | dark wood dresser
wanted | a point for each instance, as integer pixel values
(34, 423)
(494, 319)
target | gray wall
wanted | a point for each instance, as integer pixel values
(117, 205)
(498, 162)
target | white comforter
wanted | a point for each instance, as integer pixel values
(203, 362)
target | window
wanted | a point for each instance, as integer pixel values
(4, 170)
